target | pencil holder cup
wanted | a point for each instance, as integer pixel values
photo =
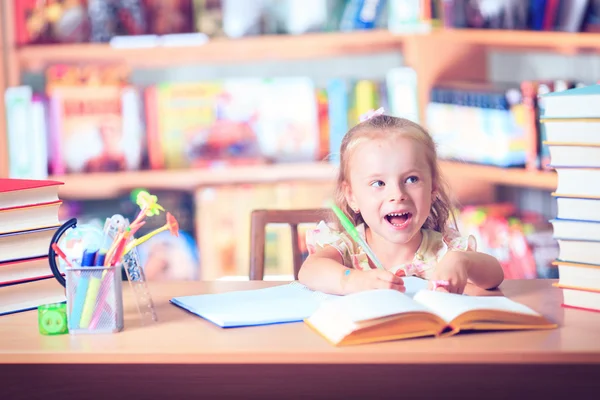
(94, 299)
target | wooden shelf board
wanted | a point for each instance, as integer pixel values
(106, 185)
(256, 48)
(522, 39)
(545, 180)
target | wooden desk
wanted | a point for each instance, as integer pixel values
(183, 355)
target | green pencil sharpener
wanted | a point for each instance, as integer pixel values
(52, 319)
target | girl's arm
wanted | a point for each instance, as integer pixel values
(483, 270)
(324, 271)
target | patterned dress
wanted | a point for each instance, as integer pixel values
(433, 247)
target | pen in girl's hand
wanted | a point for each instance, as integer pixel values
(351, 229)
(439, 283)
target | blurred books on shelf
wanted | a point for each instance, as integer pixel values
(101, 21)
(93, 119)
(576, 228)
(499, 124)
(520, 241)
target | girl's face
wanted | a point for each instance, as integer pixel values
(389, 182)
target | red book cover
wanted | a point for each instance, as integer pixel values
(25, 206)
(13, 185)
(18, 193)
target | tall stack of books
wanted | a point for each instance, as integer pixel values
(572, 123)
(28, 220)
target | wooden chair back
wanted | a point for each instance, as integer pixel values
(261, 218)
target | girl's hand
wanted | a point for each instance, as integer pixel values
(454, 269)
(373, 279)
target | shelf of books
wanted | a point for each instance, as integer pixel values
(254, 48)
(102, 185)
(99, 185)
(545, 180)
(291, 47)
(521, 39)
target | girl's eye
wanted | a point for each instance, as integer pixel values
(377, 184)
(412, 179)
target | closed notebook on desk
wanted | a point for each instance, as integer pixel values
(381, 315)
(292, 302)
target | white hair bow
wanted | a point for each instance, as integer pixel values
(371, 113)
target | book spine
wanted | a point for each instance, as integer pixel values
(337, 91)
(18, 122)
(532, 140)
(39, 132)
(57, 166)
(156, 158)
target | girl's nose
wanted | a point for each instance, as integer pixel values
(397, 194)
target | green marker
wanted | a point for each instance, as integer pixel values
(351, 229)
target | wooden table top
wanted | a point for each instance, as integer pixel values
(181, 337)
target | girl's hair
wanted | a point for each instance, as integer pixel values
(385, 126)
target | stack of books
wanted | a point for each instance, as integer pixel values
(28, 220)
(572, 123)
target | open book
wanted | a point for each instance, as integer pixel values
(381, 315)
(292, 302)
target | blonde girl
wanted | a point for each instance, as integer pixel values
(390, 186)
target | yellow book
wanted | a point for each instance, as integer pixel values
(382, 315)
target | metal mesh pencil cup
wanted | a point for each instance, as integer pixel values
(94, 299)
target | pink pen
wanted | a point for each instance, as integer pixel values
(439, 283)
(101, 304)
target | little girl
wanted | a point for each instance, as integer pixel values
(389, 185)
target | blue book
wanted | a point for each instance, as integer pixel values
(337, 94)
(292, 302)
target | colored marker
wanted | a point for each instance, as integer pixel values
(92, 292)
(103, 306)
(353, 232)
(87, 260)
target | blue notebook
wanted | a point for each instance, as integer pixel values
(292, 302)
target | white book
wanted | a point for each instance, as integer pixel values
(582, 131)
(579, 251)
(583, 299)
(576, 230)
(25, 244)
(382, 315)
(578, 182)
(583, 102)
(578, 276)
(30, 295)
(578, 208)
(562, 155)
(401, 85)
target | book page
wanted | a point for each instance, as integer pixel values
(283, 303)
(371, 304)
(449, 306)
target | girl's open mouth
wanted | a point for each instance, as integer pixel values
(399, 220)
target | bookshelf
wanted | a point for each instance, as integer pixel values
(524, 40)
(459, 54)
(256, 48)
(296, 47)
(105, 185)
